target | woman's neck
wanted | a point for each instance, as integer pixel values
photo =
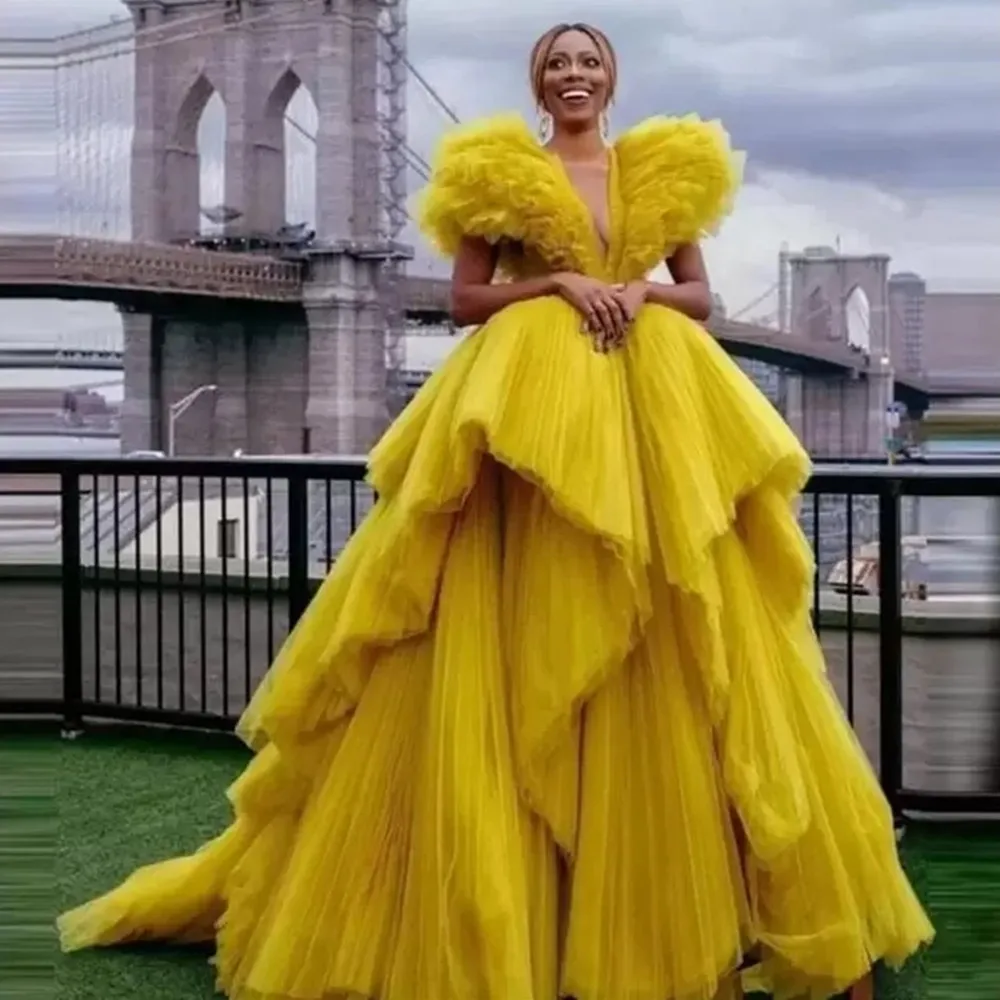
(576, 147)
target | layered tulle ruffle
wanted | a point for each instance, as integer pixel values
(556, 724)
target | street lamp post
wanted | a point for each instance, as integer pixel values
(178, 409)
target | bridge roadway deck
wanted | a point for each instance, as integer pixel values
(155, 276)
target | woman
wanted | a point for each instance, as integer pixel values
(556, 724)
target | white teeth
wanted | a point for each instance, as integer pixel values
(573, 94)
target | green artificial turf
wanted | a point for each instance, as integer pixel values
(955, 867)
(87, 812)
(124, 802)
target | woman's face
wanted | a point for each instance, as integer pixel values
(575, 80)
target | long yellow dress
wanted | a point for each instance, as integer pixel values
(556, 724)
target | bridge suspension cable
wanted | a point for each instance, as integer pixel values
(432, 92)
(415, 161)
(94, 84)
(94, 115)
(753, 303)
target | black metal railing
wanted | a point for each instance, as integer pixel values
(939, 608)
(159, 590)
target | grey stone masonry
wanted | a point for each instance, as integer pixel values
(142, 391)
(838, 417)
(255, 56)
(285, 384)
(347, 409)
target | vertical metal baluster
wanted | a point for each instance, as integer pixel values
(159, 591)
(117, 577)
(96, 538)
(247, 616)
(72, 601)
(817, 625)
(328, 524)
(890, 644)
(137, 534)
(224, 553)
(850, 608)
(298, 546)
(181, 602)
(202, 542)
(269, 582)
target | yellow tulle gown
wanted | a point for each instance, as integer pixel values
(556, 725)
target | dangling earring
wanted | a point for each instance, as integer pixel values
(544, 126)
(605, 126)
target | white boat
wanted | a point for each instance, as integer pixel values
(934, 568)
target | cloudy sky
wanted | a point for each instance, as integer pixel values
(869, 122)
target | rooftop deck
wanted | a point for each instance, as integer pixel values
(168, 797)
(134, 603)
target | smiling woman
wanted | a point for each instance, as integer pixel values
(557, 723)
(574, 69)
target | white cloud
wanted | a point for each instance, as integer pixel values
(951, 241)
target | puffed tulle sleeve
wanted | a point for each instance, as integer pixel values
(679, 179)
(492, 179)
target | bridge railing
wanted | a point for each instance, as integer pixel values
(158, 591)
(48, 262)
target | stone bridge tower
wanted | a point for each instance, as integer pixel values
(310, 380)
(843, 299)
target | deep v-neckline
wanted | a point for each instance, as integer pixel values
(603, 250)
(600, 215)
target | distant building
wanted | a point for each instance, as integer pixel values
(161, 522)
(907, 296)
(942, 332)
(961, 332)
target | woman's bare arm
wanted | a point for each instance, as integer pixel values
(690, 294)
(474, 299)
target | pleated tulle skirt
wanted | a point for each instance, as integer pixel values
(556, 724)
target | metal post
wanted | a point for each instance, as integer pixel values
(298, 545)
(890, 643)
(72, 601)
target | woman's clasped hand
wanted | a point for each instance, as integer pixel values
(607, 310)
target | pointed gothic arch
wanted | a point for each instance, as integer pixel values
(289, 123)
(857, 319)
(190, 110)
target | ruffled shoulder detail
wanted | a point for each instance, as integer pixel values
(493, 179)
(678, 180)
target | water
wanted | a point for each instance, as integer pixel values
(953, 516)
(108, 384)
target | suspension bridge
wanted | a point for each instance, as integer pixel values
(277, 264)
